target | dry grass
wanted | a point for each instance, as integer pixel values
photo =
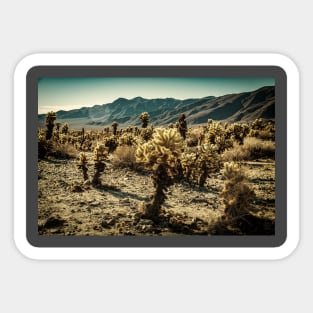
(63, 151)
(252, 148)
(124, 157)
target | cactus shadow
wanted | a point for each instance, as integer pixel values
(118, 193)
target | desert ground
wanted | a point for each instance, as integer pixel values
(69, 206)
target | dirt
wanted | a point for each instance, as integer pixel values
(69, 206)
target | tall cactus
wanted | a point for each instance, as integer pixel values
(50, 118)
(182, 126)
(100, 155)
(114, 126)
(144, 117)
(161, 154)
(82, 165)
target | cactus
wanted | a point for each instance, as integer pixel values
(100, 155)
(64, 129)
(82, 165)
(208, 161)
(144, 117)
(182, 126)
(237, 132)
(82, 138)
(237, 194)
(111, 144)
(187, 162)
(127, 139)
(57, 126)
(50, 118)
(114, 126)
(146, 133)
(44, 146)
(161, 155)
(218, 136)
(198, 165)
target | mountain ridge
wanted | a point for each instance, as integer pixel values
(236, 107)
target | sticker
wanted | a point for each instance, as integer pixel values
(156, 156)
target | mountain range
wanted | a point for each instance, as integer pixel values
(240, 107)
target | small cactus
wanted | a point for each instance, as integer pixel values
(82, 165)
(237, 194)
(100, 155)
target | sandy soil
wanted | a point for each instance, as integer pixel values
(68, 206)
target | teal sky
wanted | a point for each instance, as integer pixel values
(66, 93)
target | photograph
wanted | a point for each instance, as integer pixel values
(156, 156)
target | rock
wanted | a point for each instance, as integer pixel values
(53, 222)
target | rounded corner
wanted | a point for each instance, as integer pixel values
(287, 248)
(26, 63)
(24, 247)
(286, 63)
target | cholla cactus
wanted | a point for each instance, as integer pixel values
(146, 133)
(161, 154)
(198, 165)
(114, 126)
(127, 139)
(43, 145)
(144, 117)
(82, 165)
(187, 162)
(111, 143)
(64, 129)
(208, 161)
(100, 155)
(182, 126)
(218, 136)
(238, 132)
(237, 194)
(50, 118)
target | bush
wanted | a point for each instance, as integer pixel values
(125, 157)
(252, 148)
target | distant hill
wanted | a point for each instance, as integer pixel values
(241, 107)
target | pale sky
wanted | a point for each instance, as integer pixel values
(66, 93)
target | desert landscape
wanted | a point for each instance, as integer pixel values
(184, 178)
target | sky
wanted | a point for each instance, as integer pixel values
(66, 93)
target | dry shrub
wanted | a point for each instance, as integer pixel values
(252, 148)
(125, 157)
(63, 151)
